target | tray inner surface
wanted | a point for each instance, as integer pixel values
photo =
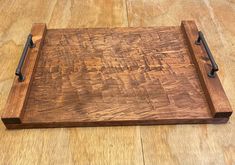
(118, 74)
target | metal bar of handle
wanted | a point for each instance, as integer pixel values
(202, 39)
(29, 44)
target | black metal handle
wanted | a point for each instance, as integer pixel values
(215, 68)
(29, 43)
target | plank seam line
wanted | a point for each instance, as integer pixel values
(127, 14)
(142, 149)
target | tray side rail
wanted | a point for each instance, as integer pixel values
(14, 108)
(214, 92)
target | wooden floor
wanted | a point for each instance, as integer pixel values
(137, 145)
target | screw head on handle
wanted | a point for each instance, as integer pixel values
(211, 74)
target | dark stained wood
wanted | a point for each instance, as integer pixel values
(14, 108)
(214, 91)
(116, 76)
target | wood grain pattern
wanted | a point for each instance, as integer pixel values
(14, 109)
(114, 75)
(213, 89)
(117, 76)
(138, 145)
(193, 144)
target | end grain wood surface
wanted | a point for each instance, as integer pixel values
(176, 144)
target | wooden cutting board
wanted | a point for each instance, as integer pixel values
(115, 76)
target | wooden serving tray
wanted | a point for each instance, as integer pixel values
(115, 76)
